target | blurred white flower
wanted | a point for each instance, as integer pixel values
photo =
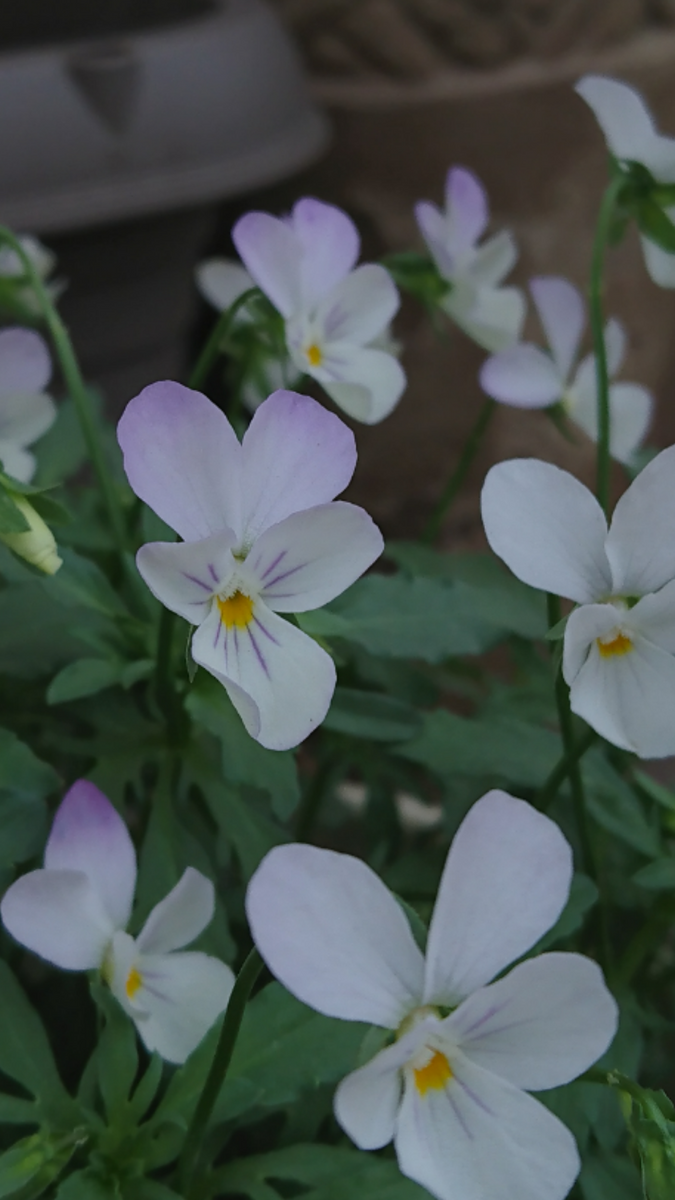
(26, 411)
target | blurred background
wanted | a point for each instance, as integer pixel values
(134, 132)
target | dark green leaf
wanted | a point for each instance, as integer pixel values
(583, 896)
(84, 677)
(21, 773)
(333, 1172)
(370, 715)
(496, 748)
(615, 806)
(655, 225)
(88, 1185)
(32, 1164)
(658, 876)
(81, 582)
(116, 1053)
(25, 1054)
(609, 1177)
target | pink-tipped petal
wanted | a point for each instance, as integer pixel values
(271, 252)
(467, 208)
(561, 311)
(180, 917)
(329, 245)
(58, 915)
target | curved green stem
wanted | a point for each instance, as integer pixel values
(77, 389)
(433, 526)
(212, 346)
(595, 294)
(234, 1014)
(549, 789)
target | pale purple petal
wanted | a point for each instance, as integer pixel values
(359, 308)
(271, 252)
(58, 915)
(311, 557)
(505, 883)
(25, 365)
(640, 544)
(562, 314)
(89, 835)
(183, 459)
(434, 229)
(181, 996)
(467, 209)
(329, 244)
(295, 455)
(654, 616)
(523, 376)
(584, 626)
(334, 935)
(180, 917)
(222, 281)
(365, 383)
(185, 575)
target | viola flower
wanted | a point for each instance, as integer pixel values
(632, 137)
(74, 913)
(527, 377)
(619, 647)
(336, 314)
(490, 314)
(451, 1087)
(263, 535)
(26, 411)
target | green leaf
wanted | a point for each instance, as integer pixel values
(609, 1177)
(658, 876)
(655, 224)
(250, 831)
(32, 1164)
(21, 772)
(88, 1185)
(25, 1054)
(582, 898)
(37, 635)
(650, 1117)
(371, 715)
(116, 1054)
(84, 677)
(12, 520)
(491, 748)
(15, 1111)
(244, 759)
(615, 806)
(24, 782)
(81, 582)
(330, 1171)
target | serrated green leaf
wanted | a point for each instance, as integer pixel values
(84, 677)
(330, 1171)
(21, 772)
(25, 1054)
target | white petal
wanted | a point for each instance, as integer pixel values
(434, 229)
(621, 113)
(333, 934)
(183, 459)
(505, 883)
(89, 835)
(25, 365)
(630, 410)
(615, 345)
(18, 463)
(287, 676)
(367, 384)
(660, 263)
(180, 997)
(295, 456)
(584, 625)
(480, 1138)
(310, 558)
(640, 545)
(654, 617)
(366, 1102)
(561, 312)
(329, 243)
(222, 281)
(523, 376)
(494, 259)
(359, 308)
(270, 250)
(180, 917)
(25, 416)
(548, 528)
(184, 575)
(58, 915)
(494, 319)
(542, 1025)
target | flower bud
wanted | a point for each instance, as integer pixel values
(37, 545)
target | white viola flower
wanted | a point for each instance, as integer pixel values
(263, 535)
(334, 312)
(451, 1087)
(619, 647)
(75, 911)
(527, 377)
(26, 411)
(631, 136)
(490, 314)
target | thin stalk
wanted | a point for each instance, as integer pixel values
(435, 522)
(234, 1014)
(211, 348)
(165, 688)
(549, 789)
(77, 389)
(595, 295)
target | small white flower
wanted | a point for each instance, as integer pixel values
(335, 313)
(451, 1088)
(263, 535)
(490, 314)
(528, 377)
(631, 136)
(74, 913)
(26, 411)
(619, 648)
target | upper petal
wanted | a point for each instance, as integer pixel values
(548, 528)
(271, 252)
(433, 227)
(334, 935)
(222, 281)
(640, 545)
(182, 458)
(540, 1026)
(366, 383)
(25, 365)
(89, 835)
(311, 557)
(58, 915)
(184, 575)
(493, 317)
(481, 1137)
(654, 616)
(621, 113)
(561, 312)
(467, 209)
(360, 307)
(505, 883)
(366, 1101)
(522, 375)
(295, 455)
(180, 997)
(494, 259)
(180, 917)
(330, 244)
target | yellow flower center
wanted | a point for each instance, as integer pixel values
(236, 611)
(617, 644)
(314, 355)
(434, 1075)
(133, 983)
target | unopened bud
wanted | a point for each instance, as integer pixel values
(37, 545)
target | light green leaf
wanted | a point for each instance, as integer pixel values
(32, 1164)
(84, 677)
(371, 715)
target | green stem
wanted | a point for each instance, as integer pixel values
(311, 801)
(165, 688)
(549, 789)
(234, 1014)
(77, 389)
(213, 344)
(433, 526)
(595, 293)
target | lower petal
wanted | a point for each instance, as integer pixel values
(58, 915)
(17, 462)
(660, 264)
(523, 376)
(184, 575)
(367, 384)
(367, 1101)
(494, 319)
(180, 995)
(284, 673)
(481, 1137)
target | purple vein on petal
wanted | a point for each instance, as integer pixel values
(460, 1118)
(213, 573)
(285, 575)
(476, 1099)
(491, 1012)
(267, 633)
(258, 653)
(273, 564)
(200, 583)
(218, 632)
